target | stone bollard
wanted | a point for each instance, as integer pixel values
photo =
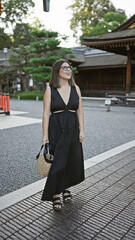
(36, 98)
(18, 97)
(108, 104)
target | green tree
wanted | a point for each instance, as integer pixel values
(14, 11)
(7, 74)
(118, 17)
(22, 34)
(36, 24)
(46, 51)
(111, 21)
(19, 60)
(5, 39)
(87, 13)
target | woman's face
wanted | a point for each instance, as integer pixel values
(65, 71)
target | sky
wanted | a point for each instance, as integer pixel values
(58, 18)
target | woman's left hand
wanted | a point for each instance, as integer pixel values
(81, 136)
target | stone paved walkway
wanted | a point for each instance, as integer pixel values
(102, 208)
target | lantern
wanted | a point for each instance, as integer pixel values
(46, 5)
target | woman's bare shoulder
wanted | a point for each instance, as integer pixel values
(47, 92)
(48, 88)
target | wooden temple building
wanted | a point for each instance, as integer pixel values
(109, 62)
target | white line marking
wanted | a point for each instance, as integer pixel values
(9, 121)
(17, 112)
(108, 154)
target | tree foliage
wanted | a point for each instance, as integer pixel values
(5, 39)
(87, 14)
(22, 34)
(46, 51)
(111, 21)
(7, 74)
(19, 59)
(15, 10)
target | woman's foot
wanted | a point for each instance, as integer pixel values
(57, 205)
(67, 196)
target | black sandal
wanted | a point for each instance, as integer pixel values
(67, 197)
(57, 203)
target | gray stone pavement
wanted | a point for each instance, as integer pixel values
(19, 145)
(102, 208)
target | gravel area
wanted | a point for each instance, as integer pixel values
(19, 145)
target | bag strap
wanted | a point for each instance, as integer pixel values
(39, 152)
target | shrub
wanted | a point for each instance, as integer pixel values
(30, 95)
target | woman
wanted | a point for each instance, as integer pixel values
(63, 128)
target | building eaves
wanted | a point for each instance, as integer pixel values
(130, 33)
(111, 60)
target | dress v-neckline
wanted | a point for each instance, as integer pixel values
(62, 98)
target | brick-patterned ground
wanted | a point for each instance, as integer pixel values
(102, 208)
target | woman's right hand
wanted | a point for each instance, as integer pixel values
(44, 140)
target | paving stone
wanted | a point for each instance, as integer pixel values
(38, 225)
(3, 235)
(12, 226)
(7, 230)
(15, 224)
(130, 235)
(56, 234)
(80, 235)
(93, 226)
(46, 236)
(2, 220)
(64, 232)
(40, 238)
(26, 233)
(70, 237)
(86, 227)
(31, 232)
(9, 214)
(23, 219)
(23, 206)
(16, 209)
(5, 217)
(18, 236)
(34, 229)
(109, 234)
(103, 236)
(29, 215)
(16, 221)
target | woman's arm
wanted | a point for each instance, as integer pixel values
(46, 115)
(80, 115)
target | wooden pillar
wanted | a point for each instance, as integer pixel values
(124, 80)
(128, 73)
(99, 79)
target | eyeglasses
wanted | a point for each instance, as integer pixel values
(65, 68)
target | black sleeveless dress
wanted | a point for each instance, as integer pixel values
(68, 165)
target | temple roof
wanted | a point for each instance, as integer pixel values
(119, 41)
(104, 61)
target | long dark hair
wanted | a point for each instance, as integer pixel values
(54, 81)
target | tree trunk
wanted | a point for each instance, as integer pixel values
(25, 82)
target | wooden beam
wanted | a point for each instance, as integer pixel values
(128, 72)
(104, 42)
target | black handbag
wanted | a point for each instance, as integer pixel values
(44, 160)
